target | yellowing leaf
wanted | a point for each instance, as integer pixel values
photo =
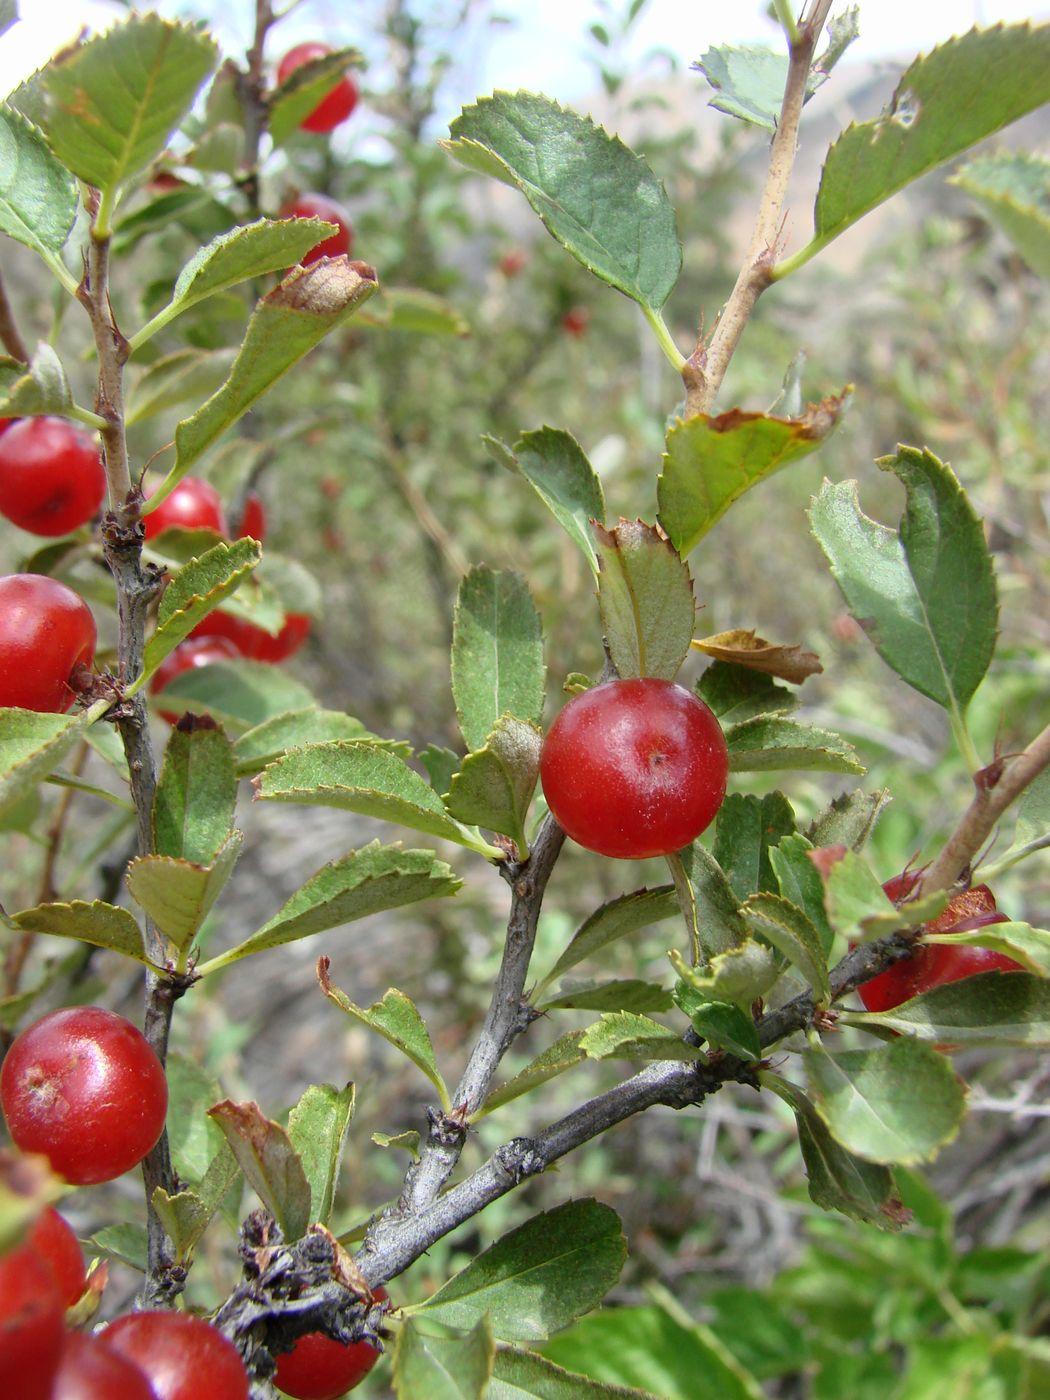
(742, 647)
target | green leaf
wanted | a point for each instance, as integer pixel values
(859, 908)
(269, 1162)
(317, 1128)
(360, 777)
(494, 787)
(297, 728)
(1026, 945)
(32, 745)
(649, 1348)
(554, 465)
(629, 994)
(187, 374)
(525, 1375)
(194, 1138)
(286, 324)
(114, 102)
(992, 1008)
(100, 924)
(746, 828)
(252, 250)
(38, 195)
(417, 311)
(452, 1367)
(497, 653)
(620, 917)
(948, 100)
(926, 595)
(1033, 811)
(736, 693)
(397, 1020)
(196, 796)
(769, 743)
(724, 1025)
(556, 1059)
(8, 14)
(711, 462)
(793, 935)
(1013, 189)
(740, 975)
(718, 916)
(185, 1218)
(799, 881)
(237, 694)
(366, 881)
(837, 1179)
(194, 592)
(127, 1243)
(750, 78)
(177, 894)
(304, 88)
(900, 1103)
(37, 389)
(442, 765)
(595, 196)
(539, 1277)
(625, 1035)
(408, 1142)
(645, 596)
(849, 819)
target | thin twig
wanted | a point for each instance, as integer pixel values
(706, 367)
(10, 336)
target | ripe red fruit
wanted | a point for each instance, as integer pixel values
(30, 1326)
(51, 475)
(193, 504)
(634, 768)
(47, 633)
(575, 321)
(53, 1240)
(253, 518)
(512, 262)
(319, 1368)
(319, 206)
(195, 651)
(183, 1357)
(336, 105)
(5, 423)
(935, 964)
(83, 1086)
(89, 1369)
(253, 642)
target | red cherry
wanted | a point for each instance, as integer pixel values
(5, 423)
(320, 1368)
(635, 768)
(512, 262)
(194, 652)
(47, 632)
(253, 518)
(83, 1086)
(319, 206)
(253, 642)
(935, 964)
(183, 1357)
(575, 321)
(165, 181)
(336, 105)
(51, 475)
(193, 505)
(30, 1326)
(53, 1240)
(89, 1369)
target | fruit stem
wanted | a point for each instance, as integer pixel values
(687, 903)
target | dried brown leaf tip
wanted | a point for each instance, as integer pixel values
(741, 647)
(815, 422)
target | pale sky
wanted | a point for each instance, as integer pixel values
(543, 48)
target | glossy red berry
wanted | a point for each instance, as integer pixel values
(47, 637)
(512, 261)
(635, 768)
(83, 1086)
(193, 505)
(31, 1318)
(319, 1368)
(253, 642)
(319, 206)
(183, 1357)
(336, 105)
(89, 1369)
(187, 656)
(5, 423)
(253, 518)
(52, 479)
(935, 964)
(53, 1240)
(575, 321)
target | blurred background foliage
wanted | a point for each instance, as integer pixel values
(371, 462)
